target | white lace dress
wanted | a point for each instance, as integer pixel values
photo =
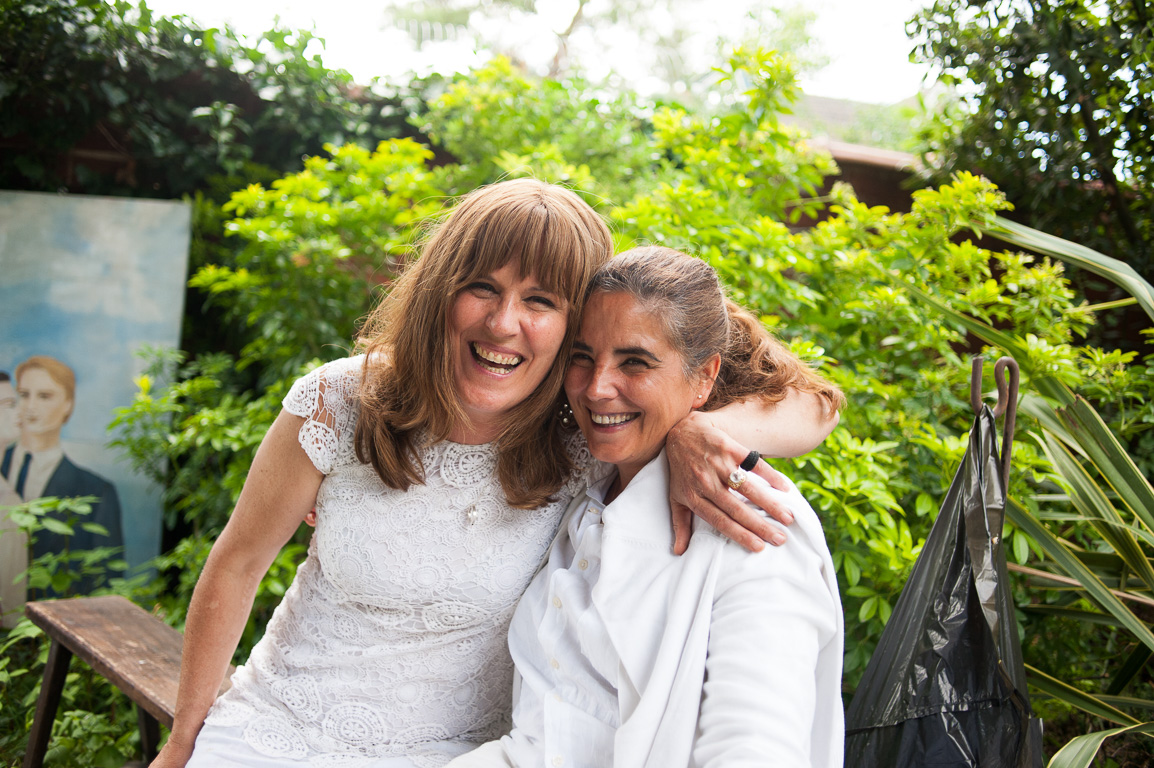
(391, 641)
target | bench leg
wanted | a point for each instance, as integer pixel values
(149, 734)
(55, 672)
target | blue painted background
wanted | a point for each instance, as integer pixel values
(90, 281)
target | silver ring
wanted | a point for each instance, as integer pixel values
(737, 477)
(750, 461)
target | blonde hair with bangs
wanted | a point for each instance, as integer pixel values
(408, 386)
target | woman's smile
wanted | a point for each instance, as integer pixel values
(495, 361)
(626, 382)
(611, 419)
(505, 332)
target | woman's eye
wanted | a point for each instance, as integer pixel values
(580, 357)
(481, 287)
(543, 301)
(636, 362)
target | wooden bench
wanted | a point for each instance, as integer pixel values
(134, 650)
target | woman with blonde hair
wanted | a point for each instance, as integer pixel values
(627, 655)
(438, 473)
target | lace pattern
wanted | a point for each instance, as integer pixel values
(393, 633)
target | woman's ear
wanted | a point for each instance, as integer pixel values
(708, 376)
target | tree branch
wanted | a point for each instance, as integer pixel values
(563, 40)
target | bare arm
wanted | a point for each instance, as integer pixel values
(705, 447)
(784, 430)
(281, 488)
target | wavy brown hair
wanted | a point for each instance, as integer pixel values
(701, 321)
(408, 388)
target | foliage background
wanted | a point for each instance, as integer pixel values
(1053, 100)
(311, 194)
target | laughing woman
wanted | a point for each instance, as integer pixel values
(627, 655)
(438, 474)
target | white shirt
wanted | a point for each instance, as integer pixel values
(720, 657)
(40, 469)
(567, 707)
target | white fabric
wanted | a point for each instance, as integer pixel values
(391, 641)
(225, 747)
(40, 469)
(726, 658)
(567, 705)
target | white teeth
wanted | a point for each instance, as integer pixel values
(609, 419)
(496, 358)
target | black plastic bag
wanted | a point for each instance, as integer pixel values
(946, 685)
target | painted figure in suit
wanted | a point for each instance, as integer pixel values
(9, 430)
(13, 545)
(36, 466)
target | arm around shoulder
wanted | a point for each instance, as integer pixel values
(705, 447)
(786, 429)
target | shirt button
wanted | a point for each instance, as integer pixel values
(554, 664)
(583, 564)
(556, 602)
(557, 697)
(558, 761)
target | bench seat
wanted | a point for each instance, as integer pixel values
(131, 648)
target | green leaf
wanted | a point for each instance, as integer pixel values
(884, 610)
(1079, 752)
(1133, 665)
(984, 331)
(1075, 697)
(1091, 501)
(1073, 614)
(868, 608)
(56, 526)
(1047, 385)
(1021, 547)
(1069, 562)
(1118, 272)
(1128, 702)
(1041, 410)
(1110, 458)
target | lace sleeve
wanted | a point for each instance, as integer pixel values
(326, 399)
(586, 469)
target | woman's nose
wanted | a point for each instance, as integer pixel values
(601, 385)
(504, 319)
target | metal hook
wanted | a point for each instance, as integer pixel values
(976, 385)
(1007, 404)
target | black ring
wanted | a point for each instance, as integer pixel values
(750, 461)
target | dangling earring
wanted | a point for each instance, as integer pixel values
(565, 414)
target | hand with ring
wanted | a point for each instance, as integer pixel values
(738, 476)
(705, 463)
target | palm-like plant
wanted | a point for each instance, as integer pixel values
(1104, 493)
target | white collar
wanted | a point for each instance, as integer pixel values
(598, 488)
(48, 455)
(641, 510)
